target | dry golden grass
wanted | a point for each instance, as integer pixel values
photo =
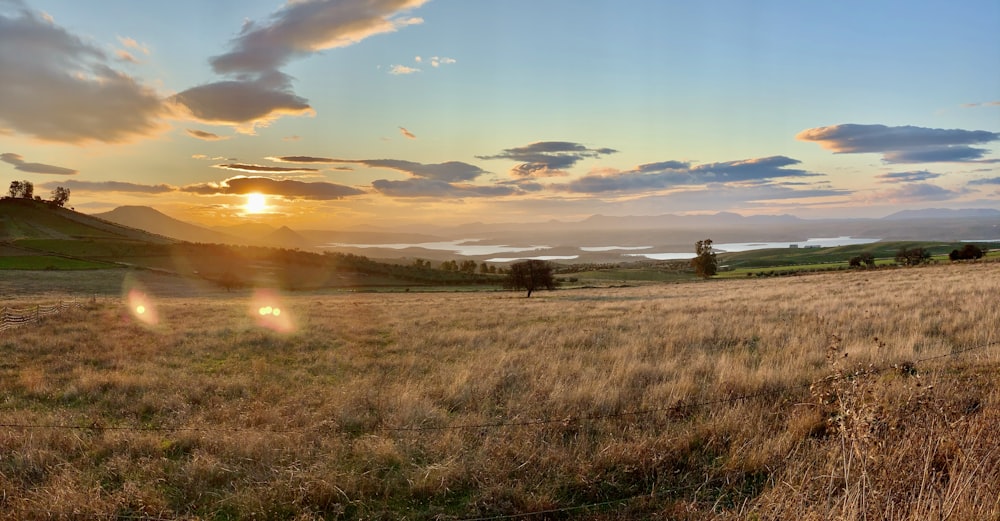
(451, 406)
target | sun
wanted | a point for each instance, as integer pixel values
(256, 203)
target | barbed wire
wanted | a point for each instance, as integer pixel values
(17, 317)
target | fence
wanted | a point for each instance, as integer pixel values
(16, 317)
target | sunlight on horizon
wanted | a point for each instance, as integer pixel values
(256, 203)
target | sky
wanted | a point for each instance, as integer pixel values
(339, 114)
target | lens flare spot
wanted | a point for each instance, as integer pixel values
(266, 309)
(140, 306)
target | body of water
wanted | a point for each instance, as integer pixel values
(822, 242)
(459, 247)
(472, 247)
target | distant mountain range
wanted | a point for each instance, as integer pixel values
(945, 213)
(664, 232)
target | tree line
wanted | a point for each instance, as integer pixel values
(26, 190)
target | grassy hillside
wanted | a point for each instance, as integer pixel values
(840, 254)
(28, 219)
(37, 235)
(837, 396)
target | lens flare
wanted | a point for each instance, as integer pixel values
(266, 311)
(141, 308)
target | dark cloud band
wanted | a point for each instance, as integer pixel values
(35, 168)
(905, 144)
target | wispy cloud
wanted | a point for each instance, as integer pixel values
(439, 61)
(547, 158)
(251, 168)
(451, 171)
(449, 179)
(917, 192)
(422, 187)
(59, 87)
(305, 27)
(112, 186)
(406, 133)
(288, 188)
(401, 70)
(204, 135)
(907, 177)
(982, 104)
(131, 46)
(672, 174)
(906, 144)
(986, 181)
(257, 92)
(36, 168)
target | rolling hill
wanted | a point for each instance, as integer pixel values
(28, 219)
(36, 235)
(157, 222)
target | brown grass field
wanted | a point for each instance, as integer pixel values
(853, 395)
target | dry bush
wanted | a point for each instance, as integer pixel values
(813, 397)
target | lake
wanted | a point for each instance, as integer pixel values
(473, 247)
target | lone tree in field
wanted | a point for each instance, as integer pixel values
(705, 264)
(968, 252)
(530, 275)
(865, 258)
(913, 256)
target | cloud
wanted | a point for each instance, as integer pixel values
(58, 87)
(672, 174)
(547, 158)
(305, 27)
(917, 192)
(406, 133)
(289, 188)
(36, 168)
(126, 56)
(907, 144)
(907, 177)
(451, 171)
(302, 159)
(447, 179)
(399, 70)
(291, 138)
(207, 136)
(244, 167)
(244, 104)
(130, 45)
(983, 104)
(986, 181)
(112, 186)
(421, 187)
(436, 61)
(439, 61)
(256, 92)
